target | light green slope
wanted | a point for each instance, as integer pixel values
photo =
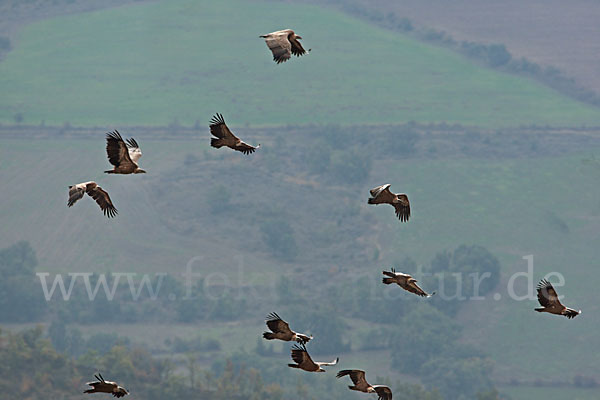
(183, 60)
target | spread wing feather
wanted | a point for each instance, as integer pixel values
(402, 208)
(116, 149)
(219, 129)
(297, 48)
(357, 376)
(102, 199)
(301, 357)
(277, 325)
(547, 296)
(279, 45)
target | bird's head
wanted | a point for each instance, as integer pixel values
(370, 389)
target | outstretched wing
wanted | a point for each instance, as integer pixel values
(357, 376)
(547, 296)
(297, 48)
(279, 45)
(402, 208)
(334, 362)
(219, 129)
(383, 392)
(245, 148)
(134, 150)
(377, 190)
(411, 286)
(116, 149)
(103, 200)
(75, 193)
(301, 357)
(277, 325)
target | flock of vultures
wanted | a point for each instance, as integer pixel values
(124, 156)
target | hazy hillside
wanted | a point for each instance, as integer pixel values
(513, 205)
(156, 63)
(549, 32)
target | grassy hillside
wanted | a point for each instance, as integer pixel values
(157, 63)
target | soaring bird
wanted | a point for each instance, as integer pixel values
(76, 192)
(405, 281)
(102, 386)
(549, 300)
(124, 156)
(304, 362)
(283, 44)
(224, 137)
(281, 330)
(382, 195)
(361, 384)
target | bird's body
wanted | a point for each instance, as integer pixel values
(405, 281)
(102, 198)
(283, 44)
(102, 386)
(383, 195)
(304, 362)
(281, 330)
(361, 384)
(123, 156)
(224, 136)
(548, 299)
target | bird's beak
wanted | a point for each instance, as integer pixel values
(298, 37)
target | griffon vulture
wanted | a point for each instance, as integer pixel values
(124, 156)
(102, 386)
(382, 195)
(361, 384)
(304, 362)
(405, 281)
(224, 137)
(549, 300)
(283, 44)
(76, 192)
(281, 330)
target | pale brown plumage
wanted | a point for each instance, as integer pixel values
(123, 156)
(304, 362)
(281, 330)
(548, 298)
(382, 195)
(361, 384)
(283, 44)
(76, 192)
(102, 386)
(224, 137)
(405, 281)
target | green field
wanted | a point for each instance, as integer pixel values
(181, 61)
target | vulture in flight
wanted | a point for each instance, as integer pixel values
(405, 281)
(224, 137)
(76, 192)
(281, 330)
(283, 44)
(304, 362)
(102, 386)
(382, 195)
(361, 384)
(549, 300)
(124, 156)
